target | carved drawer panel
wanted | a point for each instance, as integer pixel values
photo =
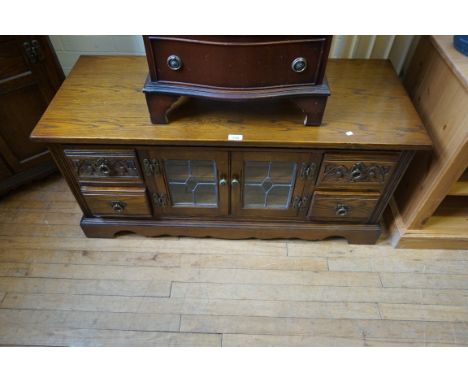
(117, 201)
(104, 165)
(343, 206)
(355, 170)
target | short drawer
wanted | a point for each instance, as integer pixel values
(354, 170)
(117, 201)
(238, 61)
(104, 165)
(343, 206)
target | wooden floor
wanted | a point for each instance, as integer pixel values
(59, 288)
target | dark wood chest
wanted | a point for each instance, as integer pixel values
(237, 68)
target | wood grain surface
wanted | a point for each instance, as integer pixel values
(59, 288)
(101, 102)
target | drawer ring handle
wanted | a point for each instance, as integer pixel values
(356, 174)
(342, 210)
(104, 169)
(357, 171)
(299, 64)
(118, 206)
(174, 62)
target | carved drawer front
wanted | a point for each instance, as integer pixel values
(237, 61)
(104, 165)
(354, 170)
(343, 206)
(117, 201)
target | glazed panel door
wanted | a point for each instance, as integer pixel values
(187, 181)
(273, 184)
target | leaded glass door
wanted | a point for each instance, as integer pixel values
(272, 184)
(188, 182)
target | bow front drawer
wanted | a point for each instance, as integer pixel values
(354, 170)
(238, 61)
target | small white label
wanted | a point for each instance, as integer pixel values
(349, 133)
(235, 137)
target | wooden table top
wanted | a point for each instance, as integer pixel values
(101, 102)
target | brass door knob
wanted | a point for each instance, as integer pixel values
(222, 182)
(234, 182)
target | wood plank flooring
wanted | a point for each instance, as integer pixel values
(58, 288)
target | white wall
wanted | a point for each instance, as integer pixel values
(69, 48)
(394, 48)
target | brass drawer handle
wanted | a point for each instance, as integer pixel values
(118, 206)
(357, 171)
(342, 210)
(299, 64)
(104, 169)
(174, 62)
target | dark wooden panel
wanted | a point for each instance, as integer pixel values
(12, 62)
(16, 180)
(20, 110)
(28, 81)
(343, 206)
(239, 64)
(117, 201)
(4, 169)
